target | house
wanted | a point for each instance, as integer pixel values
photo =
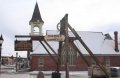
(102, 45)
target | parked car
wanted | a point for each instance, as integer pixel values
(115, 71)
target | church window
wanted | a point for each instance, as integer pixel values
(107, 61)
(71, 56)
(41, 61)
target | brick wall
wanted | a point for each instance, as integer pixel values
(115, 61)
(49, 64)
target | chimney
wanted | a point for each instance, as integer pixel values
(116, 41)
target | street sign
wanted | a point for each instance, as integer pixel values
(54, 37)
(23, 45)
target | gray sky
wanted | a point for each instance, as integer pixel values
(84, 15)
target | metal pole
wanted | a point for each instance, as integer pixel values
(16, 62)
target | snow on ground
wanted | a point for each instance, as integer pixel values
(27, 75)
(47, 74)
(9, 72)
(72, 74)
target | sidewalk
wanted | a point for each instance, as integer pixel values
(12, 69)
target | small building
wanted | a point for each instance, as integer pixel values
(102, 45)
(7, 59)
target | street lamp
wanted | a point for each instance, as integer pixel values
(16, 62)
(1, 42)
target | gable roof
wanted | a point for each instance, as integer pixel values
(36, 14)
(96, 42)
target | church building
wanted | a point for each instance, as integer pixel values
(102, 45)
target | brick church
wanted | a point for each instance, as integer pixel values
(102, 45)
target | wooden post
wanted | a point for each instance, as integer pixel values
(64, 23)
(28, 58)
(40, 75)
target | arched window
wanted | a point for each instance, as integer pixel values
(36, 29)
(72, 55)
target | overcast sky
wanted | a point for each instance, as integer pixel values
(84, 15)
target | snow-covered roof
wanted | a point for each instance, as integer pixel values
(21, 54)
(5, 55)
(96, 42)
(39, 49)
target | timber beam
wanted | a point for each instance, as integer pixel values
(41, 38)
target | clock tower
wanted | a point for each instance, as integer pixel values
(36, 22)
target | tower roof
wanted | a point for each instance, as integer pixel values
(36, 14)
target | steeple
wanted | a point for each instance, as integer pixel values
(36, 22)
(36, 15)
